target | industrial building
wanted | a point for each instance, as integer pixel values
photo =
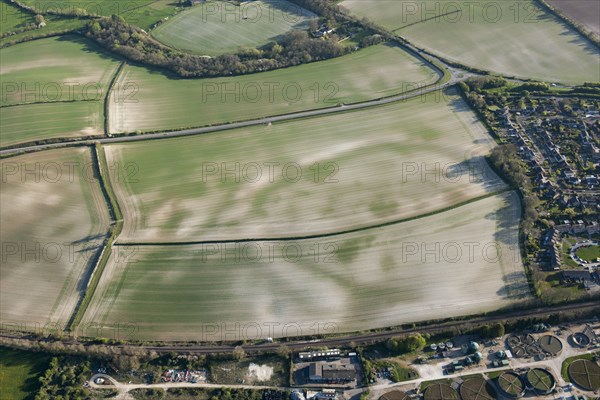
(331, 372)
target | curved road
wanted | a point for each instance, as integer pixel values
(259, 121)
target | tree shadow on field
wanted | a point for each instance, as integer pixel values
(477, 166)
(88, 46)
(577, 40)
(87, 239)
(472, 171)
(90, 249)
(506, 218)
(91, 47)
(515, 287)
(506, 237)
(278, 9)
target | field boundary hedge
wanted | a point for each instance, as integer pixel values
(579, 28)
(99, 162)
(328, 234)
(108, 94)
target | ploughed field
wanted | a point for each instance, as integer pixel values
(306, 177)
(54, 219)
(344, 222)
(66, 68)
(584, 12)
(53, 88)
(148, 100)
(513, 38)
(31, 122)
(368, 279)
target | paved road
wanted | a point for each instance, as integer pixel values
(260, 121)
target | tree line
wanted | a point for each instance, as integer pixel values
(131, 42)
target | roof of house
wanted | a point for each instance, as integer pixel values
(586, 275)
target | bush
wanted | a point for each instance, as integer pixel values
(406, 344)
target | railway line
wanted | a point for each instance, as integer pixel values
(361, 338)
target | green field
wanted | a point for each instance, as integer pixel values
(12, 18)
(54, 25)
(366, 280)
(589, 253)
(19, 373)
(148, 100)
(219, 27)
(146, 15)
(31, 122)
(55, 69)
(509, 38)
(143, 13)
(337, 177)
(389, 14)
(49, 79)
(53, 220)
